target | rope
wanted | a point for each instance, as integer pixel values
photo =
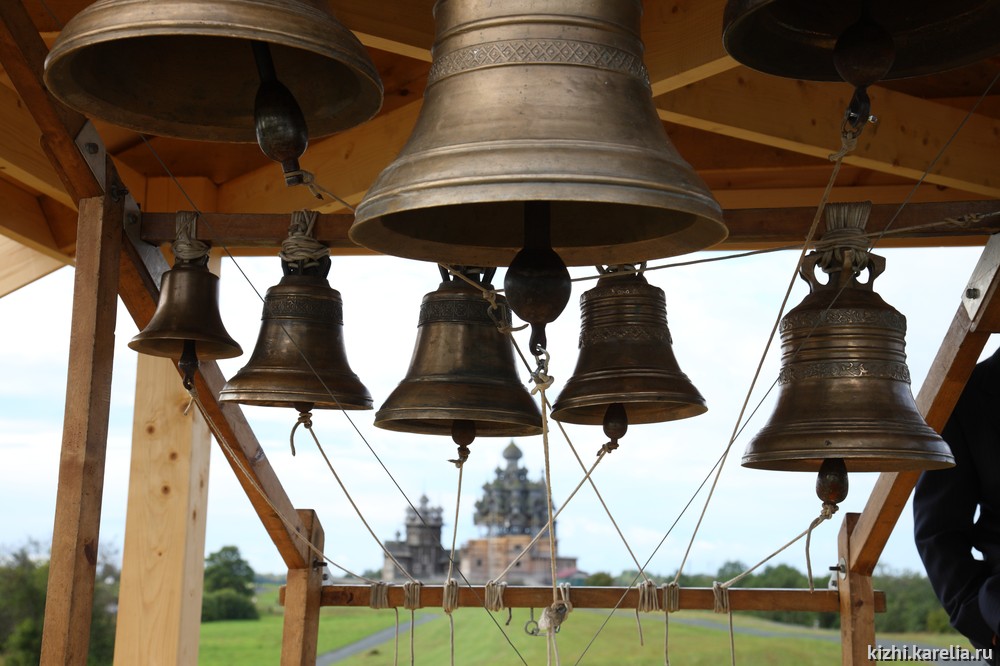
(552, 619)
(301, 247)
(826, 513)
(350, 499)
(378, 597)
(411, 601)
(308, 179)
(671, 604)
(494, 595)
(720, 597)
(648, 603)
(305, 419)
(186, 247)
(449, 596)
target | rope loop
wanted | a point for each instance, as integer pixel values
(672, 597)
(720, 597)
(554, 615)
(186, 247)
(305, 419)
(379, 595)
(541, 376)
(449, 596)
(300, 246)
(411, 594)
(825, 513)
(649, 602)
(308, 179)
(494, 596)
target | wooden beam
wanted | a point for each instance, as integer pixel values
(683, 42)
(75, 535)
(950, 370)
(159, 602)
(346, 164)
(22, 53)
(806, 117)
(21, 266)
(857, 603)
(796, 197)
(747, 227)
(691, 598)
(302, 601)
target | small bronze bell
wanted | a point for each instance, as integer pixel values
(538, 101)
(626, 371)
(821, 40)
(187, 68)
(844, 384)
(300, 360)
(187, 324)
(462, 379)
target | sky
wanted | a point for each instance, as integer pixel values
(720, 315)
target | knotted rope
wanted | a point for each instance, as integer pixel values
(300, 246)
(308, 179)
(494, 595)
(552, 619)
(185, 246)
(648, 603)
(671, 604)
(411, 601)
(449, 597)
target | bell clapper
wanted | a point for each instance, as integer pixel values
(831, 482)
(278, 119)
(463, 432)
(615, 425)
(537, 283)
(863, 55)
(188, 364)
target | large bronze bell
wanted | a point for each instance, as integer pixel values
(844, 384)
(300, 360)
(815, 40)
(626, 359)
(185, 68)
(187, 324)
(462, 379)
(547, 101)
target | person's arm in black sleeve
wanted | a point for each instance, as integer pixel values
(944, 506)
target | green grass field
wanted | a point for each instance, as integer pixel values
(696, 639)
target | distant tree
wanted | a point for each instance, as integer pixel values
(600, 578)
(23, 580)
(226, 569)
(730, 570)
(229, 587)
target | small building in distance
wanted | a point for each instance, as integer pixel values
(513, 510)
(420, 552)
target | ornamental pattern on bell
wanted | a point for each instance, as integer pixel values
(628, 333)
(321, 309)
(538, 51)
(828, 370)
(844, 317)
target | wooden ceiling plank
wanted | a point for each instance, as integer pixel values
(806, 117)
(21, 265)
(24, 221)
(683, 42)
(404, 27)
(21, 156)
(345, 164)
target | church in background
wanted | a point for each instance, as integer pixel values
(512, 509)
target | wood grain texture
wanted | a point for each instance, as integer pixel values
(857, 603)
(75, 535)
(159, 602)
(300, 631)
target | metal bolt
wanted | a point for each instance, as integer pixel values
(91, 148)
(972, 293)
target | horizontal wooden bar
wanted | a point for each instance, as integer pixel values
(749, 228)
(691, 598)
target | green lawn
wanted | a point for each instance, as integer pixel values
(480, 642)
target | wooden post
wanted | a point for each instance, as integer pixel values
(302, 601)
(857, 603)
(73, 561)
(159, 603)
